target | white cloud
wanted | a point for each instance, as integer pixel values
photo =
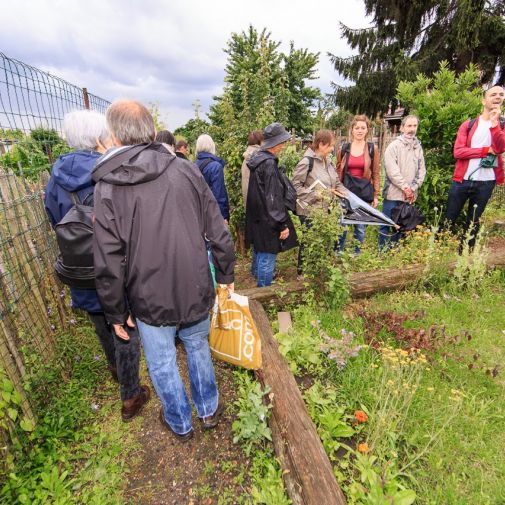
(155, 51)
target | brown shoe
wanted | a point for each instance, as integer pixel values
(183, 438)
(210, 422)
(134, 406)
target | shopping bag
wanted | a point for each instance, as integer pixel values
(233, 335)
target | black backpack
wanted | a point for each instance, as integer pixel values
(472, 122)
(74, 234)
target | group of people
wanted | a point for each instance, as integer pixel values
(478, 150)
(155, 222)
(159, 219)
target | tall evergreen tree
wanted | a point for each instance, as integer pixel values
(412, 37)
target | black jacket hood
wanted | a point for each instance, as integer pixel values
(258, 158)
(146, 163)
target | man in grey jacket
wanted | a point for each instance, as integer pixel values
(153, 212)
(405, 173)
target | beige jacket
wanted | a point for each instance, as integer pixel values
(323, 171)
(404, 163)
(246, 173)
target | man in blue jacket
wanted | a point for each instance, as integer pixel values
(86, 132)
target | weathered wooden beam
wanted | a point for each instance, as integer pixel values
(285, 323)
(363, 284)
(307, 471)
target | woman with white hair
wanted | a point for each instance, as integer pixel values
(212, 168)
(85, 131)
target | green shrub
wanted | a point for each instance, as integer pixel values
(442, 103)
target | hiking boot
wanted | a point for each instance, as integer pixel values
(134, 406)
(183, 438)
(210, 422)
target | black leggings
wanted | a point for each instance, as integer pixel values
(122, 355)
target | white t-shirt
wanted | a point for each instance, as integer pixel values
(481, 138)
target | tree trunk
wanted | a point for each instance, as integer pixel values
(363, 284)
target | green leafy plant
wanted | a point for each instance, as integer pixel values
(319, 238)
(267, 481)
(470, 269)
(378, 486)
(330, 418)
(75, 453)
(34, 154)
(251, 426)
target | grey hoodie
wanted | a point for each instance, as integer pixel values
(152, 215)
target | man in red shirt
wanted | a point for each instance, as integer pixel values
(479, 164)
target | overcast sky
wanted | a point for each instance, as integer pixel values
(160, 51)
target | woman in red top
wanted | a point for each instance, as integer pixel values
(358, 169)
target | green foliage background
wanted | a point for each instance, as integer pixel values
(442, 103)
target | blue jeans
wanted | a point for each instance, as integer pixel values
(478, 194)
(254, 266)
(385, 237)
(263, 267)
(359, 235)
(159, 349)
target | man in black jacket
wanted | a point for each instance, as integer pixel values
(269, 229)
(153, 214)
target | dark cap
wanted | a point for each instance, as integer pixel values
(274, 134)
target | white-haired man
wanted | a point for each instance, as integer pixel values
(153, 215)
(86, 132)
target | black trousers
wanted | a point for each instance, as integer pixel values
(123, 355)
(478, 194)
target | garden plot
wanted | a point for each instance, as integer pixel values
(407, 393)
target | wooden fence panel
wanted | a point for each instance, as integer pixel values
(31, 305)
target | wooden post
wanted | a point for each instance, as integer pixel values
(307, 471)
(85, 98)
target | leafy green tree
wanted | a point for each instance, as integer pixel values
(442, 103)
(299, 66)
(192, 130)
(154, 109)
(262, 85)
(412, 37)
(34, 153)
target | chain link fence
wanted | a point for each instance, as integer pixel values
(33, 304)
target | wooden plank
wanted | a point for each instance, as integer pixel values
(285, 323)
(307, 471)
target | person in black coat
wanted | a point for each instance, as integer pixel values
(269, 229)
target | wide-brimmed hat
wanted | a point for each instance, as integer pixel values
(274, 134)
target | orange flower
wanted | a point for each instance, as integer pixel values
(360, 416)
(363, 448)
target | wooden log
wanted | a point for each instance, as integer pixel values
(363, 284)
(307, 471)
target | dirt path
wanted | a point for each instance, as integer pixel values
(209, 469)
